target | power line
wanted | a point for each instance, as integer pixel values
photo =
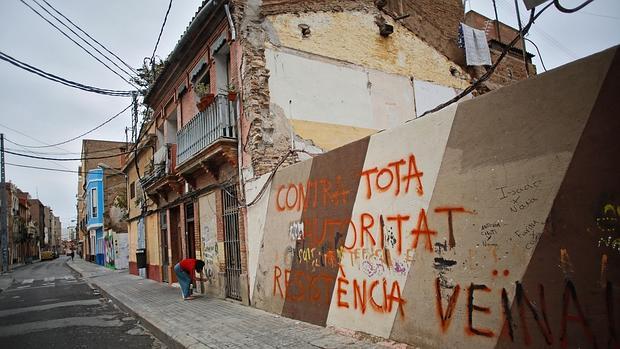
(570, 10)
(63, 153)
(546, 36)
(77, 43)
(557, 44)
(537, 50)
(93, 39)
(66, 159)
(43, 168)
(58, 79)
(79, 36)
(599, 15)
(159, 36)
(26, 135)
(29, 151)
(491, 70)
(79, 136)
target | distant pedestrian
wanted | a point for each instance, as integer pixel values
(186, 273)
(72, 255)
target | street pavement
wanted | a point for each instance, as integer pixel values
(48, 305)
(207, 322)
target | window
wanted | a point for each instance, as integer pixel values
(93, 202)
(132, 190)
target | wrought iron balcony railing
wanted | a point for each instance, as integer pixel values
(218, 121)
(164, 163)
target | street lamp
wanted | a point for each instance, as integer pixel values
(104, 167)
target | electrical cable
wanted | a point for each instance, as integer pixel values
(79, 136)
(599, 15)
(570, 10)
(43, 168)
(160, 32)
(30, 152)
(78, 44)
(93, 39)
(537, 50)
(58, 79)
(84, 40)
(61, 153)
(66, 159)
(491, 70)
(270, 178)
(27, 136)
(550, 39)
(546, 36)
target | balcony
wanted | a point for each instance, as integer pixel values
(208, 134)
(164, 169)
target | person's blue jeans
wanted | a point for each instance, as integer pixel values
(184, 280)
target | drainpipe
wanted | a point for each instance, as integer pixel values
(231, 24)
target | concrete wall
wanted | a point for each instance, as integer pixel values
(487, 224)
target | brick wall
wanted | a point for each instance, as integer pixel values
(434, 21)
(512, 68)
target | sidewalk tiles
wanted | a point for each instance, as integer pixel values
(208, 322)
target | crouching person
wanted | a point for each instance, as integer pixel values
(186, 273)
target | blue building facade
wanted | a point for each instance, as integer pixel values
(94, 217)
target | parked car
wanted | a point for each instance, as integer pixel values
(45, 255)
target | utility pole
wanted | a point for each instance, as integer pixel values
(3, 211)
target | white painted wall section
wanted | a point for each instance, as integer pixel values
(322, 90)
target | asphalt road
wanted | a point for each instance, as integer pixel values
(49, 306)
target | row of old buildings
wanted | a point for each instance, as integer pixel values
(101, 205)
(255, 86)
(32, 227)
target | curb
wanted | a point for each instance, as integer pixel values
(167, 339)
(9, 285)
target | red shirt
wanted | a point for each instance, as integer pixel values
(189, 266)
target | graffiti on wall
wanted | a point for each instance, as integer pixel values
(507, 247)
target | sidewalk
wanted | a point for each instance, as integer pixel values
(209, 322)
(6, 279)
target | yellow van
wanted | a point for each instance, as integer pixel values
(45, 255)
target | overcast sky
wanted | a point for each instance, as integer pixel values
(51, 113)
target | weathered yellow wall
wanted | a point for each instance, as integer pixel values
(354, 37)
(329, 136)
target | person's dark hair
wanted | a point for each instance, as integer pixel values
(199, 265)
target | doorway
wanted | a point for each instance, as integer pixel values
(165, 260)
(175, 239)
(189, 230)
(232, 250)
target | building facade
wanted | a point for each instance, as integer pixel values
(23, 220)
(37, 215)
(236, 100)
(108, 154)
(94, 216)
